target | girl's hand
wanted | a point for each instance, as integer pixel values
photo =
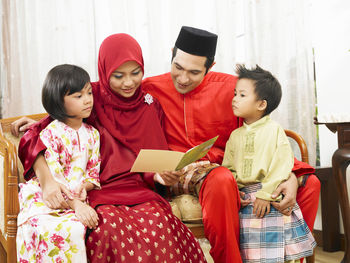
(54, 195)
(86, 214)
(53, 192)
(168, 177)
(261, 207)
(244, 202)
(81, 193)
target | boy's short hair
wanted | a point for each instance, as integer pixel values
(60, 81)
(267, 86)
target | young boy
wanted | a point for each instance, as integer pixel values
(260, 158)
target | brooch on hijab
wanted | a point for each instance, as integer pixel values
(148, 98)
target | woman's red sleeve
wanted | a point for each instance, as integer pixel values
(31, 145)
(301, 168)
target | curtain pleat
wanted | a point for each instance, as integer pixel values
(39, 34)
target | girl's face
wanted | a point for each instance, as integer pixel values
(245, 103)
(126, 79)
(79, 104)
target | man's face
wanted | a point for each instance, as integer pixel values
(187, 71)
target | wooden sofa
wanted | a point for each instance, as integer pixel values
(11, 174)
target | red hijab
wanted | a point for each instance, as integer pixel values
(126, 119)
(126, 125)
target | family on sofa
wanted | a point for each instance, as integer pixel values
(119, 215)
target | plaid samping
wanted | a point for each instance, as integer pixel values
(275, 237)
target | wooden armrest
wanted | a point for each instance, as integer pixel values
(10, 188)
(301, 143)
(8, 150)
(6, 123)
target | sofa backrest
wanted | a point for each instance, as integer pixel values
(5, 129)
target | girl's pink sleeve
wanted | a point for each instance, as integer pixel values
(94, 162)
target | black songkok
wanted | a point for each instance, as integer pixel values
(197, 42)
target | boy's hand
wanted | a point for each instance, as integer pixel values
(86, 214)
(244, 202)
(261, 207)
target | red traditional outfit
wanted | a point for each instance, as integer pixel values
(135, 223)
(197, 116)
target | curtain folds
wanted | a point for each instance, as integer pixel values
(39, 34)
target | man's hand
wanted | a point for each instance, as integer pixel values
(168, 177)
(261, 207)
(21, 125)
(289, 189)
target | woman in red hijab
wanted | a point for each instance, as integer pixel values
(135, 223)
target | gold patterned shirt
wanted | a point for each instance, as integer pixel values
(259, 152)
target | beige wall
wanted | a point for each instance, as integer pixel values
(331, 41)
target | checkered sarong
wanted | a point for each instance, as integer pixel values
(275, 237)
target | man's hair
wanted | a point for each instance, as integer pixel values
(267, 86)
(60, 81)
(208, 63)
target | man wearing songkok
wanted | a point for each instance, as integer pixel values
(197, 106)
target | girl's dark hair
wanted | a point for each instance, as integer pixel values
(267, 86)
(60, 81)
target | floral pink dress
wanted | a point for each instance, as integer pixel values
(44, 234)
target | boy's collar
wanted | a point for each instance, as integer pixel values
(257, 123)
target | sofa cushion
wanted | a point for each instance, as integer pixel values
(190, 208)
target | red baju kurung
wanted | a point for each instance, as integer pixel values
(135, 223)
(197, 116)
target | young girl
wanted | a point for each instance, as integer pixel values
(260, 157)
(72, 155)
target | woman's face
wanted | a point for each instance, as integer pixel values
(126, 79)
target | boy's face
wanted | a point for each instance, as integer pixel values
(245, 103)
(187, 71)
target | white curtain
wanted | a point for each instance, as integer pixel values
(276, 35)
(39, 34)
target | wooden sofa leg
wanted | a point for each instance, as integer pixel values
(2, 254)
(11, 248)
(311, 259)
